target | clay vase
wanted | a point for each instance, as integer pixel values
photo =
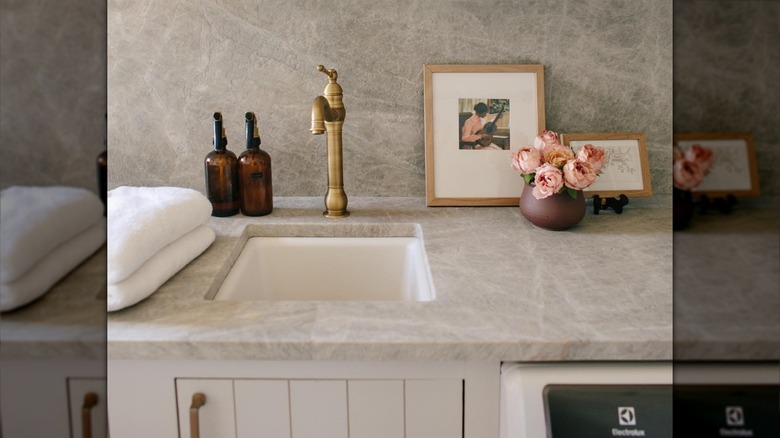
(683, 208)
(557, 212)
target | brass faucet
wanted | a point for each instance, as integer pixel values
(327, 115)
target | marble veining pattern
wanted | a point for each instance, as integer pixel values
(171, 64)
(68, 322)
(501, 295)
(726, 277)
(505, 291)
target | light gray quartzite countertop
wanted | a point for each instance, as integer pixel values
(68, 322)
(505, 290)
(727, 284)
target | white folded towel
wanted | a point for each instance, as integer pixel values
(159, 268)
(143, 220)
(53, 267)
(35, 220)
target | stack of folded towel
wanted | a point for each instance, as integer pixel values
(153, 232)
(45, 232)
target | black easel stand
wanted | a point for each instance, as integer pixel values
(616, 204)
(723, 205)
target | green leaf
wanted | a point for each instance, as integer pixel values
(528, 177)
(572, 192)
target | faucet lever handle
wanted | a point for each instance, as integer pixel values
(331, 73)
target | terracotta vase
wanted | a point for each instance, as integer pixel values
(683, 208)
(556, 212)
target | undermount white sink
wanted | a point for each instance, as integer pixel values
(328, 268)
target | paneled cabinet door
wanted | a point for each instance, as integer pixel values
(249, 408)
(262, 408)
(87, 406)
(376, 408)
(212, 416)
(318, 408)
(434, 408)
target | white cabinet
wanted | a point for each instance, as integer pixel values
(376, 408)
(51, 398)
(320, 408)
(434, 408)
(87, 406)
(262, 408)
(215, 416)
(303, 399)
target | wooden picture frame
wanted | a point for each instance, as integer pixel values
(626, 172)
(462, 172)
(734, 170)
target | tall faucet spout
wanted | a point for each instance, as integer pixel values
(327, 115)
(320, 113)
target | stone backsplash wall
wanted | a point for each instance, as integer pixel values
(171, 64)
(727, 74)
(52, 91)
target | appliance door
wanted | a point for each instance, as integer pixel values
(727, 399)
(586, 400)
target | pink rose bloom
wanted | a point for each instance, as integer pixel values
(557, 154)
(701, 156)
(687, 174)
(549, 181)
(578, 174)
(526, 159)
(548, 138)
(593, 155)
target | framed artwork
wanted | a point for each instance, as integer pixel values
(733, 170)
(626, 170)
(475, 117)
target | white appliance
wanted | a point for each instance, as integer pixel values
(564, 400)
(738, 399)
(607, 399)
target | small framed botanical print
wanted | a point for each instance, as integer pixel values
(626, 171)
(733, 170)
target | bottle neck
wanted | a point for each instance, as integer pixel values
(252, 140)
(220, 140)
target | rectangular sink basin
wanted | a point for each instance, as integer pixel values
(327, 268)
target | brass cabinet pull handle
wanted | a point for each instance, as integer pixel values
(198, 400)
(90, 400)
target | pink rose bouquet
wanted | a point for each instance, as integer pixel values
(691, 166)
(553, 167)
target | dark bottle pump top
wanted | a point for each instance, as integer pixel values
(220, 140)
(252, 135)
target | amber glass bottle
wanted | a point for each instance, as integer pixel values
(102, 170)
(102, 177)
(254, 170)
(222, 174)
